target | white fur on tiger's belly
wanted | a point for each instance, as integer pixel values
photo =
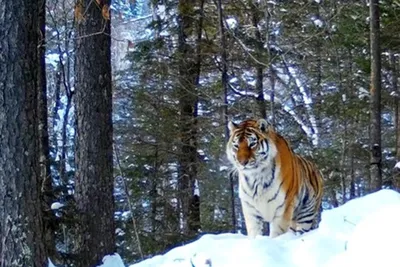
(261, 202)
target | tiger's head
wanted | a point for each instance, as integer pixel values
(250, 144)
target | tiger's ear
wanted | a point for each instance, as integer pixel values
(232, 126)
(264, 125)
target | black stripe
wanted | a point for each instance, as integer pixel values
(308, 211)
(276, 193)
(305, 197)
(304, 216)
(307, 222)
(278, 208)
(268, 184)
(246, 179)
(258, 217)
(248, 204)
(244, 191)
(252, 186)
(300, 231)
(255, 191)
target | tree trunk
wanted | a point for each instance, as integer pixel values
(396, 175)
(153, 192)
(352, 178)
(21, 225)
(94, 152)
(375, 101)
(189, 71)
(259, 68)
(343, 160)
(224, 83)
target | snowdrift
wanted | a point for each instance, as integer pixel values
(363, 232)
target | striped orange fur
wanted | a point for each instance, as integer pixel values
(275, 184)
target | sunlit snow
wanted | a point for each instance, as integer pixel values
(362, 232)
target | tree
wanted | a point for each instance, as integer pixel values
(94, 145)
(396, 119)
(224, 84)
(21, 222)
(189, 72)
(375, 99)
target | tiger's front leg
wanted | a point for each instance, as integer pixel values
(278, 227)
(281, 224)
(254, 223)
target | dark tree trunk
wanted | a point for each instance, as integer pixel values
(259, 68)
(94, 151)
(352, 178)
(42, 110)
(343, 161)
(375, 101)
(396, 175)
(153, 192)
(224, 82)
(21, 224)
(256, 17)
(189, 71)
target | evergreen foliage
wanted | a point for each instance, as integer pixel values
(304, 64)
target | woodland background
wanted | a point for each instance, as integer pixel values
(144, 155)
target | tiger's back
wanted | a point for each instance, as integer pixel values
(275, 184)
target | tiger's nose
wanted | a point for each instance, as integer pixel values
(244, 162)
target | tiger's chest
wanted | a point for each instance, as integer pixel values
(262, 190)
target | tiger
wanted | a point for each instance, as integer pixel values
(276, 185)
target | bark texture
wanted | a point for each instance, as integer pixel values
(393, 64)
(224, 83)
(375, 101)
(189, 71)
(94, 152)
(21, 225)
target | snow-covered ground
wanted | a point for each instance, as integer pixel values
(363, 232)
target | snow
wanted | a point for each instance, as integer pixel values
(372, 242)
(397, 166)
(112, 261)
(196, 188)
(363, 232)
(56, 205)
(52, 59)
(232, 23)
(319, 23)
(223, 168)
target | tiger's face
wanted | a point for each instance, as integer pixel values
(248, 146)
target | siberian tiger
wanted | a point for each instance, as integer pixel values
(275, 184)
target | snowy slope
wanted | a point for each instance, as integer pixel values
(363, 232)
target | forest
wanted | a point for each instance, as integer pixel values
(114, 114)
